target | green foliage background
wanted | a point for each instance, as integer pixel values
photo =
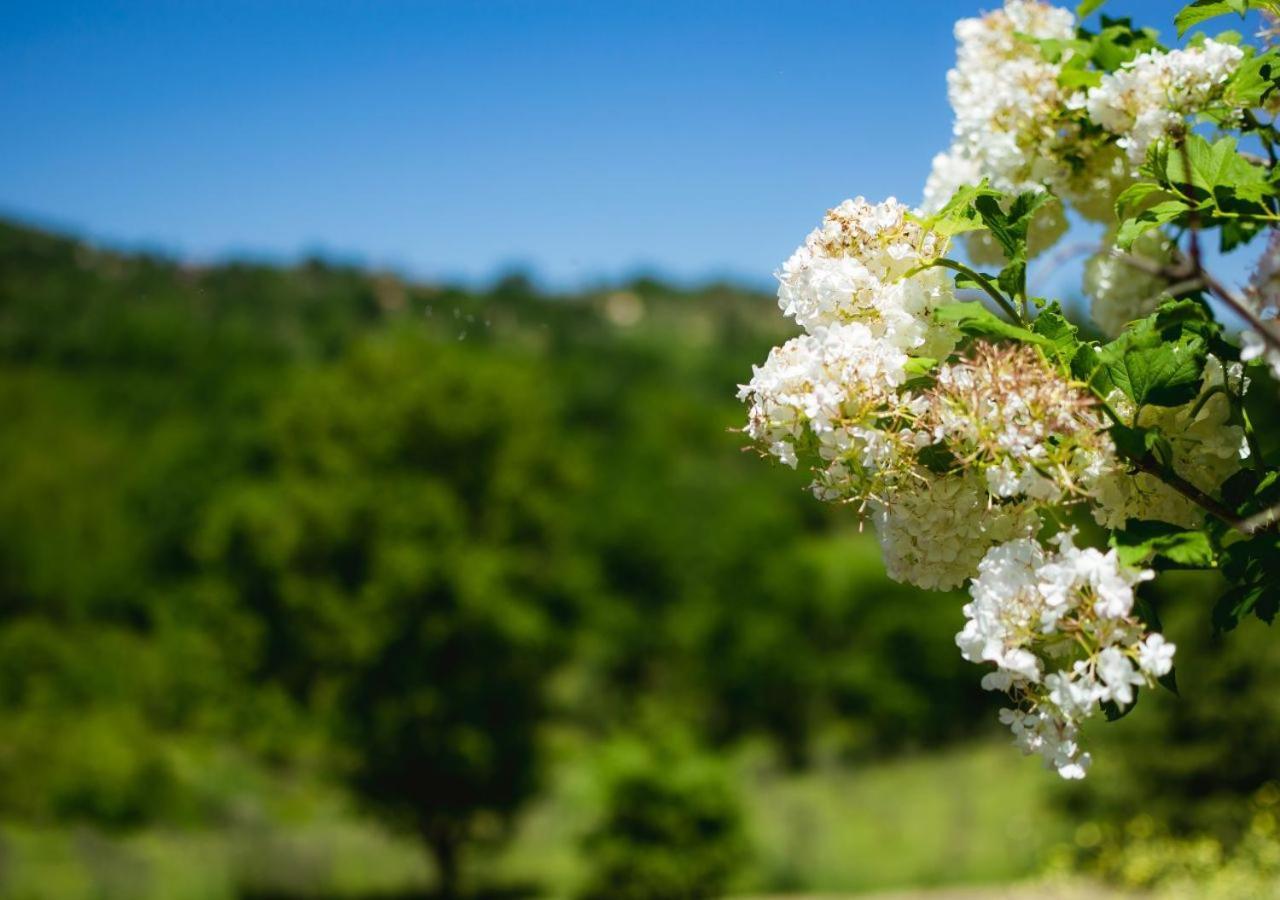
(299, 565)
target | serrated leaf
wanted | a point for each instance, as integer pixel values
(1142, 541)
(1063, 343)
(1087, 366)
(919, 365)
(1203, 10)
(958, 214)
(974, 319)
(1137, 197)
(1162, 375)
(1253, 81)
(1215, 176)
(1161, 213)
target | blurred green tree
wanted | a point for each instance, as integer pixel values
(404, 547)
(672, 826)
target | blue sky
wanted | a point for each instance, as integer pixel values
(582, 140)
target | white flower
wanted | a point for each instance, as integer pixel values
(1010, 414)
(1071, 610)
(831, 390)
(1155, 656)
(934, 532)
(1121, 292)
(1074, 698)
(860, 265)
(1151, 96)
(1116, 671)
(1006, 96)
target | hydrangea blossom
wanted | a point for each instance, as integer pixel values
(934, 531)
(1005, 95)
(1005, 412)
(827, 393)
(1151, 96)
(965, 460)
(863, 264)
(1263, 294)
(1058, 626)
(1121, 292)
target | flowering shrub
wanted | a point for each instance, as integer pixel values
(968, 420)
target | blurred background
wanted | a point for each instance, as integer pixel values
(372, 519)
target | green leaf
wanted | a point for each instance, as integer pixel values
(1087, 7)
(975, 319)
(1063, 343)
(1161, 213)
(966, 281)
(1219, 165)
(1240, 601)
(1118, 42)
(1114, 713)
(1212, 178)
(1137, 197)
(1252, 567)
(920, 365)
(1193, 14)
(1087, 365)
(1162, 375)
(937, 458)
(1010, 229)
(1160, 360)
(1074, 78)
(1169, 545)
(958, 215)
(1253, 81)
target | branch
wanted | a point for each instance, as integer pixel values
(1149, 465)
(1263, 521)
(985, 283)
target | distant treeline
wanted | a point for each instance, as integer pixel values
(263, 523)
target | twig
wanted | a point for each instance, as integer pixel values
(1262, 521)
(983, 282)
(1150, 466)
(1064, 255)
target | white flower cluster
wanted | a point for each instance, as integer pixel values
(1150, 97)
(1059, 627)
(1120, 291)
(860, 265)
(934, 532)
(1014, 120)
(830, 389)
(1263, 294)
(962, 472)
(1020, 127)
(1006, 97)
(1004, 412)
(861, 288)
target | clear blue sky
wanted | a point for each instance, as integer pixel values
(451, 139)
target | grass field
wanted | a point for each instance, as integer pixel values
(972, 816)
(975, 815)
